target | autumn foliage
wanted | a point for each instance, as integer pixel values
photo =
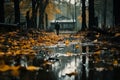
(17, 42)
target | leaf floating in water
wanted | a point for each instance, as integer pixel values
(117, 34)
(95, 41)
(15, 67)
(97, 52)
(32, 68)
(2, 53)
(47, 63)
(69, 54)
(15, 72)
(115, 62)
(67, 42)
(72, 74)
(77, 46)
(100, 69)
(4, 68)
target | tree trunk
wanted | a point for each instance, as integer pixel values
(34, 14)
(91, 14)
(83, 15)
(104, 16)
(116, 12)
(41, 15)
(42, 7)
(46, 19)
(17, 11)
(2, 15)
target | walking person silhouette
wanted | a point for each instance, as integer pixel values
(57, 27)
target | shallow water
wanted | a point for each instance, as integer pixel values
(72, 64)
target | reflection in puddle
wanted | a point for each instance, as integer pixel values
(69, 68)
(66, 66)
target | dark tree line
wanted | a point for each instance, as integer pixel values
(93, 19)
(38, 6)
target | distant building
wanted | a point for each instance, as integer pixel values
(65, 23)
(67, 19)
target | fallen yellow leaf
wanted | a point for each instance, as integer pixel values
(32, 68)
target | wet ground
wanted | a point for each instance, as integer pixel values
(71, 61)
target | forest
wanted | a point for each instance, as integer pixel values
(85, 46)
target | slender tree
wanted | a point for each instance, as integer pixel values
(83, 15)
(105, 11)
(17, 11)
(46, 19)
(34, 13)
(91, 14)
(42, 6)
(2, 16)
